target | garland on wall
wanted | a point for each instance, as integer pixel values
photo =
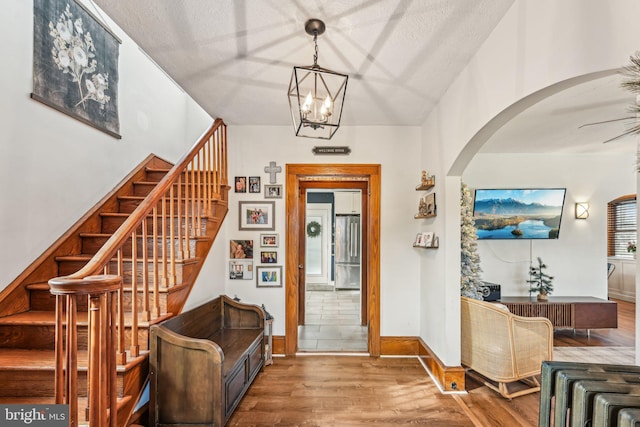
(314, 229)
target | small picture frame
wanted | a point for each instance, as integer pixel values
(269, 276)
(241, 184)
(427, 239)
(254, 184)
(272, 191)
(241, 269)
(269, 240)
(256, 215)
(241, 249)
(430, 201)
(269, 257)
(418, 241)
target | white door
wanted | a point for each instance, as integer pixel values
(318, 254)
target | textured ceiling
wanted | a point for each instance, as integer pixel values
(235, 58)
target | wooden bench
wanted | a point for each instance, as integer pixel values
(203, 361)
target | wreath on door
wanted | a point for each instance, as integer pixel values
(314, 229)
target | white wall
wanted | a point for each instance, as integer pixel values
(536, 45)
(251, 148)
(211, 280)
(54, 168)
(577, 259)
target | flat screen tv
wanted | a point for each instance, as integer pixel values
(530, 213)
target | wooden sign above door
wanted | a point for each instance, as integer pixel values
(328, 150)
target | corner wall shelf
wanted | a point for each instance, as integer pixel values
(425, 187)
(418, 216)
(425, 247)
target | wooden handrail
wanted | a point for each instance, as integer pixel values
(174, 210)
(117, 240)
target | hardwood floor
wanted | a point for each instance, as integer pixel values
(319, 390)
(346, 391)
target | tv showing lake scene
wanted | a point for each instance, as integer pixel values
(518, 213)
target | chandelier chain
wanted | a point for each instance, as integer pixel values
(315, 42)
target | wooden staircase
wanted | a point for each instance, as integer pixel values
(154, 260)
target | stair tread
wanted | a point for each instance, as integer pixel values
(134, 197)
(18, 358)
(41, 286)
(47, 318)
(28, 359)
(146, 182)
(149, 235)
(44, 286)
(87, 257)
(126, 215)
(156, 169)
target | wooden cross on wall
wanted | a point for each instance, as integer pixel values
(272, 170)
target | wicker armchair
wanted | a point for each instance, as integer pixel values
(504, 347)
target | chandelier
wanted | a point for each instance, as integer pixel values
(316, 94)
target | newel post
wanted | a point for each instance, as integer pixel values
(101, 291)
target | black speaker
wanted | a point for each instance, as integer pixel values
(491, 291)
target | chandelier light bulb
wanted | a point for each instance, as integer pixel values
(307, 103)
(328, 103)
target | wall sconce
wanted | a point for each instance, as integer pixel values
(582, 210)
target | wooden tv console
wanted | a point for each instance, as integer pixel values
(567, 312)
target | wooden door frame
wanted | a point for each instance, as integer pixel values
(299, 175)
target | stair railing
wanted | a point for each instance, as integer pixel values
(158, 233)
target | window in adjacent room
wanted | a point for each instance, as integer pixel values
(621, 226)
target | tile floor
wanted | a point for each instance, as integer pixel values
(332, 323)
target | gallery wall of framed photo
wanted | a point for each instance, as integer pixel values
(257, 259)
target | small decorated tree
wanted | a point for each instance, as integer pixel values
(470, 284)
(540, 281)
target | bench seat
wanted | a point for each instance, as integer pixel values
(203, 361)
(235, 343)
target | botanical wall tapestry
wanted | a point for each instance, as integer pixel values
(75, 64)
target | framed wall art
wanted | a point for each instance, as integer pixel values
(240, 184)
(241, 269)
(269, 257)
(272, 191)
(269, 277)
(240, 249)
(430, 201)
(427, 239)
(254, 184)
(75, 64)
(269, 240)
(256, 215)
